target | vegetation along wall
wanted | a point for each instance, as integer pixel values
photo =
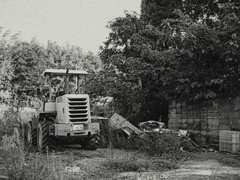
(206, 118)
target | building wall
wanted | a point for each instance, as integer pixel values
(206, 118)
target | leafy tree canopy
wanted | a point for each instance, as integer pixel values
(173, 50)
(22, 63)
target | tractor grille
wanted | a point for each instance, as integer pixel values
(78, 109)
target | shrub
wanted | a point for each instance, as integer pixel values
(160, 144)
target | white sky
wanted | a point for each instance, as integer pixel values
(77, 22)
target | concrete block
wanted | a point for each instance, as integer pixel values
(184, 121)
(190, 120)
(224, 127)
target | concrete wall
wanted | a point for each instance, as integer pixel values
(206, 118)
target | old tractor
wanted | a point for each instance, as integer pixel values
(63, 116)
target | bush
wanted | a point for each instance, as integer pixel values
(161, 144)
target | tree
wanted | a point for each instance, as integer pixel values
(183, 53)
(131, 76)
(71, 57)
(228, 26)
(22, 63)
(6, 68)
(26, 58)
(154, 11)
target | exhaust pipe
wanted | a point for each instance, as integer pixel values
(67, 82)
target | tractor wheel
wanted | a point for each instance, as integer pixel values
(31, 135)
(42, 136)
(91, 143)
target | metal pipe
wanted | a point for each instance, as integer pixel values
(78, 84)
(50, 87)
(67, 82)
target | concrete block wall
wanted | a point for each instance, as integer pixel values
(206, 117)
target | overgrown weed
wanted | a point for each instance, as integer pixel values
(162, 152)
(8, 122)
(153, 144)
(128, 165)
(131, 161)
(126, 161)
(19, 163)
(161, 144)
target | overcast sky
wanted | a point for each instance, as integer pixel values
(78, 22)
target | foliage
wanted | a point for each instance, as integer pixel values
(71, 57)
(6, 68)
(154, 12)
(22, 63)
(18, 162)
(162, 144)
(21, 165)
(132, 164)
(172, 51)
(8, 122)
(134, 142)
(154, 144)
(25, 58)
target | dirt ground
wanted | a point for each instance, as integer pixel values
(209, 166)
(201, 166)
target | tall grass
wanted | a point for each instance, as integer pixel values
(131, 161)
(9, 121)
(19, 163)
(154, 144)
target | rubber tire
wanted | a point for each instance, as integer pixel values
(42, 136)
(31, 135)
(91, 143)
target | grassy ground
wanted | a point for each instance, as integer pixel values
(109, 163)
(76, 163)
(71, 162)
(160, 160)
(122, 164)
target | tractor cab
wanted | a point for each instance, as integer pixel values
(61, 81)
(66, 97)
